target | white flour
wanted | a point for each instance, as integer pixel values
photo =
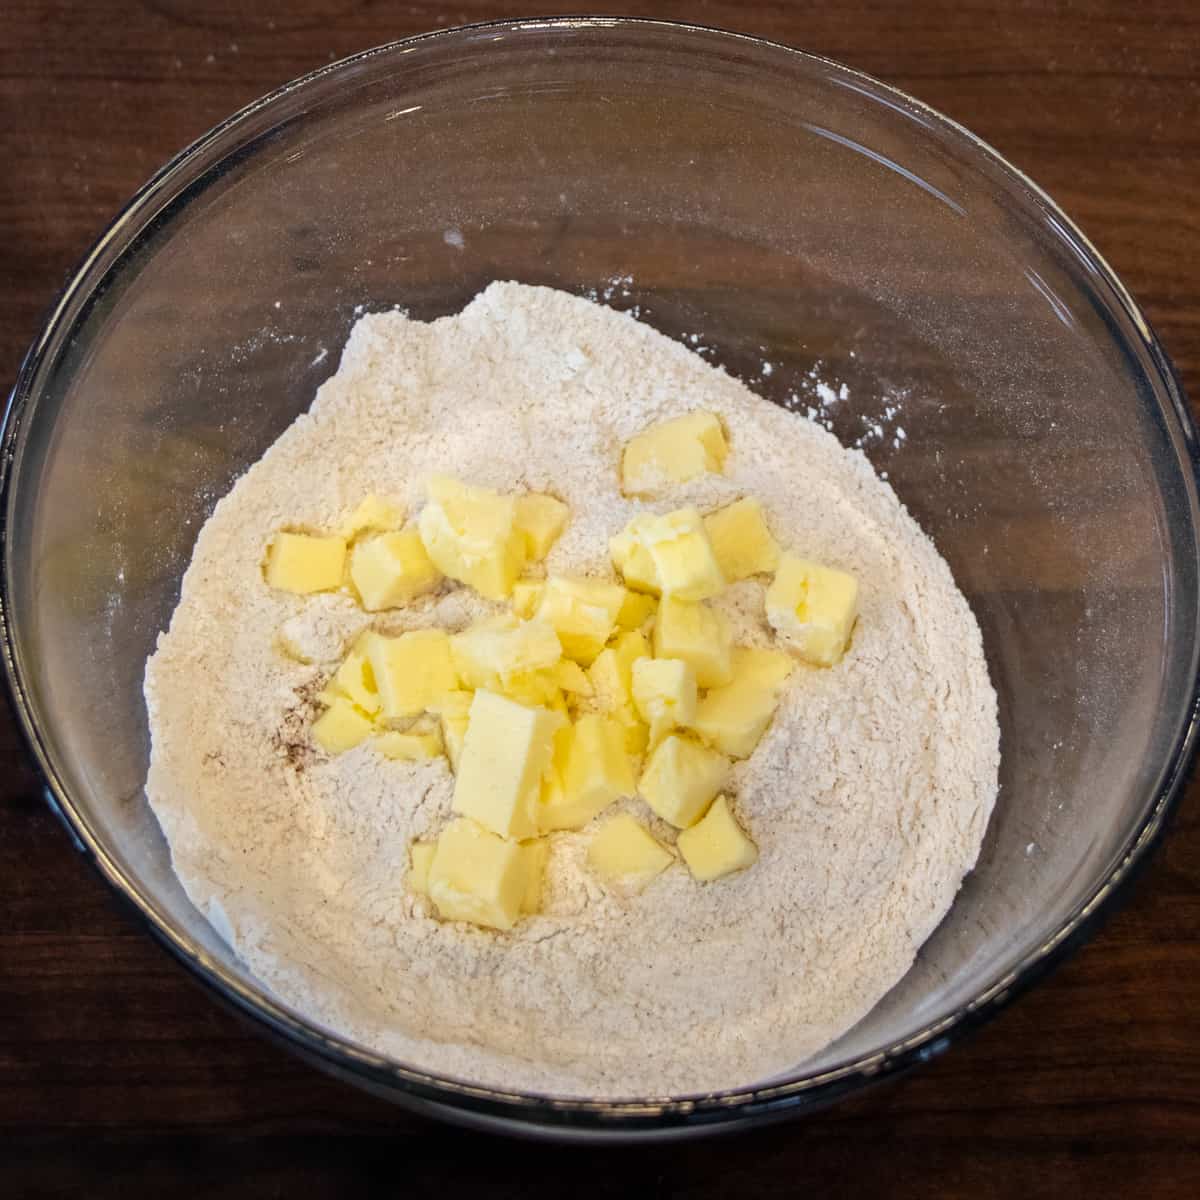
(867, 799)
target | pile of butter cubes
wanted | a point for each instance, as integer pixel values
(584, 691)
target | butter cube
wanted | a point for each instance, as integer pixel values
(496, 650)
(375, 514)
(673, 452)
(590, 770)
(716, 846)
(611, 677)
(741, 540)
(626, 855)
(813, 609)
(536, 689)
(582, 612)
(454, 712)
(637, 609)
(341, 727)
(507, 750)
(536, 854)
(733, 718)
(471, 535)
(664, 693)
(571, 677)
(478, 877)
(355, 680)
(633, 561)
(681, 779)
(420, 856)
(411, 671)
(410, 746)
(699, 636)
(304, 563)
(684, 562)
(541, 519)
(391, 569)
(526, 596)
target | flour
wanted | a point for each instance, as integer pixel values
(867, 798)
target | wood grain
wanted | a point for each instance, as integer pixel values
(118, 1076)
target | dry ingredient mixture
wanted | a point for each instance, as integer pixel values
(867, 798)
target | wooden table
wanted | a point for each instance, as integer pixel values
(118, 1076)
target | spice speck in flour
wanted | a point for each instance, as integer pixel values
(866, 800)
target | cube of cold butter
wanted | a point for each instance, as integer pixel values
(664, 691)
(341, 727)
(541, 519)
(507, 750)
(355, 680)
(681, 779)
(411, 671)
(673, 452)
(684, 562)
(698, 635)
(418, 745)
(637, 609)
(374, 514)
(716, 846)
(391, 569)
(733, 718)
(420, 855)
(478, 877)
(813, 609)
(526, 596)
(633, 561)
(471, 535)
(454, 712)
(741, 540)
(497, 649)
(590, 770)
(304, 563)
(625, 854)
(582, 612)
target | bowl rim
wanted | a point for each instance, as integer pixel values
(515, 1111)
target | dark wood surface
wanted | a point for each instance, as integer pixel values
(118, 1076)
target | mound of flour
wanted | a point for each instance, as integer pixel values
(867, 798)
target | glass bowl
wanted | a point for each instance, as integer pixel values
(766, 205)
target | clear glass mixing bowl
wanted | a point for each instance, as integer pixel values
(767, 204)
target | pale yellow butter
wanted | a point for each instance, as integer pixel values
(813, 609)
(478, 877)
(541, 519)
(626, 855)
(420, 855)
(341, 727)
(495, 650)
(507, 750)
(733, 718)
(390, 569)
(471, 535)
(411, 671)
(673, 451)
(571, 677)
(681, 779)
(741, 540)
(611, 676)
(374, 514)
(355, 680)
(454, 712)
(664, 693)
(716, 846)
(698, 635)
(583, 612)
(636, 610)
(633, 561)
(685, 565)
(414, 745)
(305, 563)
(526, 596)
